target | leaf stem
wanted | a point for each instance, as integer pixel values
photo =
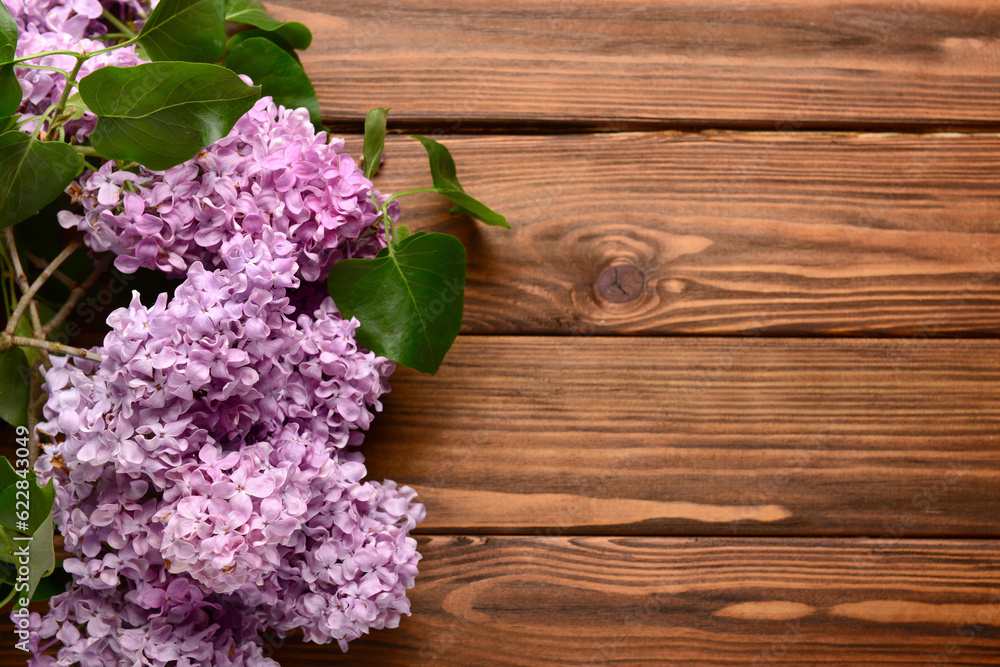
(118, 23)
(383, 210)
(28, 295)
(70, 84)
(86, 150)
(32, 56)
(47, 68)
(127, 42)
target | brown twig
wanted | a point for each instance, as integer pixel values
(29, 294)
(40, 263)
(22, 282)
(50, 345)
(76, 293)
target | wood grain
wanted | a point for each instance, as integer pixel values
(725, 232)
(700, 436)
(652, 601)
(456, 65)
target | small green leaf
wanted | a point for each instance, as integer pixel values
(409, 300)
(399, 232)
(473, 208)
(10, 89)
(279, 74)
(161, 114)
(38, 501)
(446, 184)
(34, 173)
(374, 139)
(185, 30)
(253, 12)
(14, 387)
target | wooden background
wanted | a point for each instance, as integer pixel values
(728, 393)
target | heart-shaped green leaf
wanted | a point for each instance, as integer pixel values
(34, 173)
(253, 12)
(446, 184)
(409, 300)
(279, 74)
(10, 89)
(185, 30)
(161, 114)
(374, 139)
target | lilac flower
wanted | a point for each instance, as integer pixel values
(272, 175)
(54, 25)
(205, 477)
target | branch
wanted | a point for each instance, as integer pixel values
(52, 346)
(27, 296)
(40, 263)
(22, 281)
(76, 293)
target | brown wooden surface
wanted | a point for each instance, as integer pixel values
(782, 453)
(722, 490)
(535, 600)
(785, 64)
(730, 232)
(700, 436)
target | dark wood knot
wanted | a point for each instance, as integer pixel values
(620, 283)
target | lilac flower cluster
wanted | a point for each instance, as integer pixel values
(273, 172)
(60, 25)
(205, 477)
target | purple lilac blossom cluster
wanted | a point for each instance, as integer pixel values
(58, 25)
(206, 479)
(272, 173)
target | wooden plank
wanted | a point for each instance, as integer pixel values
(532, 601)
(783, 64)
(696, 436)
(782, 234)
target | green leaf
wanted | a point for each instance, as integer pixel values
(9, 476)
(409, 300)
(446, 184)
(244, 35)
(185, 30)
(34, 173)
(473, 208)
(161, 114)
(39, 503)
(10, 89)
(14, 387)
(279, 74)
(252, 12)
(374, 139)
